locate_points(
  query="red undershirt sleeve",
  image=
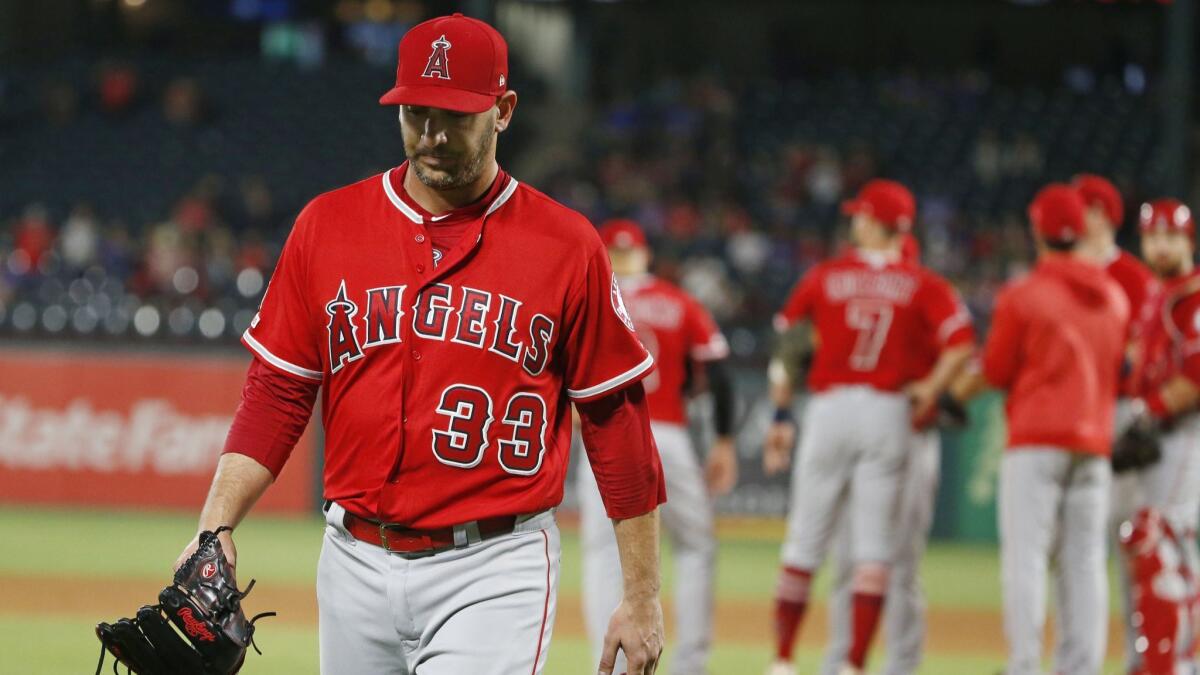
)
(620, 447)
(272, 415)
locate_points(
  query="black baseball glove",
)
(951, 413)
(197, 627)
(1138, 447)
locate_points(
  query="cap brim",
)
(851, 207)
(444, 98)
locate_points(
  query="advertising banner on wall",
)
(111, 428)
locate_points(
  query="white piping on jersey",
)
(396, 201)
(615, 382)
(503, 197)
(416, 217)
(958, 320)
(278, 362)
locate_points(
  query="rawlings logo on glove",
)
(197, 627)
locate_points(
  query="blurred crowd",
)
(737, 197)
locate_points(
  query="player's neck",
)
(438, 202)
(878, 255)
(1102, 246)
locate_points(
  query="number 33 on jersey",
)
(446, 385)
(873, 318)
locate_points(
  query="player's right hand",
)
(226, 539)
(777, 449)
(636, 628)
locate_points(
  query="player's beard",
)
(1166, 267)
(469, 173)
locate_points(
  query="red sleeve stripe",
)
(279, 363)
(614, 383)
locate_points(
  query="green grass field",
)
(53, 634)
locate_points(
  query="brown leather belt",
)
(399, 539)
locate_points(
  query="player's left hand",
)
(923, 397)
(721, 469)
(636, 628)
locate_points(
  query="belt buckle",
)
(426, 544)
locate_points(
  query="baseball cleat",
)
(848, 669)
(781, 668)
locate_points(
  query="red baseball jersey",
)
(676, 329)
(873, 316)
(1170, 336)
(1056, 343)
(1135, 279)
(446, 377)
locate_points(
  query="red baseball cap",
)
(887, 200)
(1099, 190)
(451, 62)
(1166, 214)
(1057, 213)
(622, 233)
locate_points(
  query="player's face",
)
(448, 149)
(1096, 220)
(1165, 252)
(866, 232)
(628, 262)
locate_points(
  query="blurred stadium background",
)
(153, 154)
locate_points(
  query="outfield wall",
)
(118, 428)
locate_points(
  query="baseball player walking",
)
(1163, 564)
(871, 313)
(686, 345)
(447, 364)
(904, 613)
(1056, 346)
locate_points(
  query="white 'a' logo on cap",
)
(438, 65)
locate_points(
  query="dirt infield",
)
(961, 631)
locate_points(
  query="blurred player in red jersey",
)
(871, 313)
(1055, 347)
(1105, 211)
(904, 613)
(1166, 379)
(687, 346)
(1104, 214)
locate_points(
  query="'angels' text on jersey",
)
(470, 317)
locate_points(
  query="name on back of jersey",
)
(894, 286)
(470, 317)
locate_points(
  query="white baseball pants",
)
(485, 609)
(904, 611)
(687, 518)
(1053, 505)
(853, 452)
